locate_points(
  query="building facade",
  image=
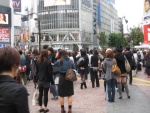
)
(109, 17)
(75, 23)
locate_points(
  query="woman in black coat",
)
(44, 78)
(13, 96)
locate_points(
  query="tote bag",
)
(127, 65)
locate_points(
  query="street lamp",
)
(122, 33)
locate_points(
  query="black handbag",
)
(70, 74)
(55, 69)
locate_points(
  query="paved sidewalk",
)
(92, 100)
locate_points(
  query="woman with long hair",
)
(122, 79)
(44, 78)
(65, 87)
(83, 67)
(95, 60)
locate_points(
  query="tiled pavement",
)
(92, 100)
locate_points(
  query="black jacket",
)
(120, 62)
(13, 96)
(94, 61)
(129, 56)
(84, 63)
(44, 72)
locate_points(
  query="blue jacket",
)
(23, 60)
(64, 67)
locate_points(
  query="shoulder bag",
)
(127, 65)
(115, 68)
(22, 69)
(70, 74)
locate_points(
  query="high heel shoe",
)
(63, 111)
(69, 111)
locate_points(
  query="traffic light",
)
(32, 38)
(25, 18)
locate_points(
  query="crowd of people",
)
(18, 67)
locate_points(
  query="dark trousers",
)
(148, 71)
(45, 91)
(94, 77)
(130, 75)
(111, 89)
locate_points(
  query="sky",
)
(133, 10)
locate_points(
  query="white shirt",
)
(135, 57)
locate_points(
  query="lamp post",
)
(122, 33)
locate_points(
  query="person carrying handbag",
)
(109, 75)
(65, 87)
(22, 69)
(122, 79)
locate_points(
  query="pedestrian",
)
(122, 79)
(13, 96)
(53, 60)
(34, 59)
(22, 72)
(44, 78)
(83, 67)
(147, 64)
(129, 56)
(109, 75)
(95, 62)
(65, 87)
(28, 62)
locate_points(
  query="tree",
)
(115, 40)
(102, 39)
(136, 35)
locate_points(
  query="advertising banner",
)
(146, 33)
(146, 9)
(16, 5)
(3, 18)
(56, 2)
(4, 34)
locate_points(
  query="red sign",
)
(4, 34)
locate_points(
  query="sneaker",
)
(54, 98)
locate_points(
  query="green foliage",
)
(115, 40)
(136, 35)
(102, 39)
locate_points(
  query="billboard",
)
(4, 18)
(56, 2)
(16, 5)
(4, 34)
(146, 9)
(146, 33)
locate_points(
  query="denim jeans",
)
(111, 89)
(53, 87)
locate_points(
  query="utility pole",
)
(122, 33)
(39, 28)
